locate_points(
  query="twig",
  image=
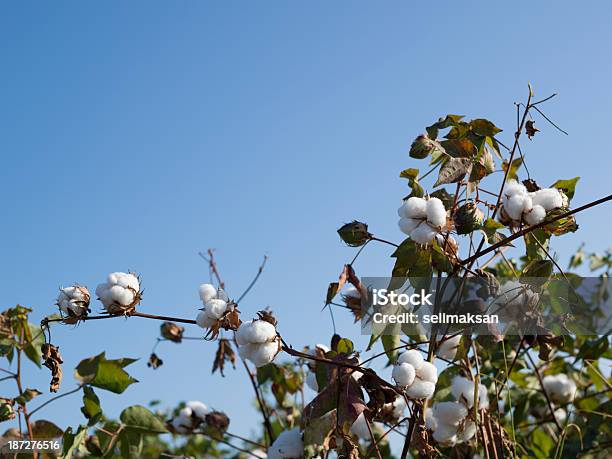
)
(548, 402)
(79, 387)
(259, 271)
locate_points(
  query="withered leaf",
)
(172, 332)
(154, 361)
(53, 361)
(224, 354)
(530, 129)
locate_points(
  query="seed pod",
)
(468, 218)
(423, 146)
(355, 234)
(216, 423)
(6, 409)
(172, 332)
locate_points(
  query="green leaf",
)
(332, 291)
(567, 186)
(138, 417)
(537, 272)
(535, 250)
(130, 444)
(562, 226)
(72, 441)
(91, 405)
(542, 443)
(514, 167)
(35, 339)
(27, 395)
(390, 343)
(483, 127)
(453, 171)
(443, 123)
(345, 346)
(106, 374)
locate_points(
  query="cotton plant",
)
(422, 218)
(258, 341)
(415, 375)
(73, 301)
(448, 348)
(120, 294)
(520, 205)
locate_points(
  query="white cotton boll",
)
(449, 413)
(288, 445)
(243, 332)
(222, 295)
(128, 280)
(423, 234)
(408, 225)
(215, 308)
(311, 381)
(436, 213)
(415, 207)
(428, 372)
(463, 390)
(469, 430)
(360, 427)
(207, 292)
(263, 354)
(420, 389)
(403, 374)
(257, 454)
(121, 295)
(255, 331)
(536, 215)
(560, 415)
(204, 321)
(113, 278)
(559, 388)
(549, 198)
(431, 423)
(514, 206)
(483, 398)
(246, 350)
(411, 356)
(399, 406)
(512, 187)
(448, 349)
(198, 409)
(445, 435)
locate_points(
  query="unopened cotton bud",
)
(420, 389)
(535, 215)
(448, 349)
(355, 234)
(468, 218)
(403, 374)
(288, 445)
(428, 372)
(450, 413)
(207, 292)
(408, 225)
(549, 198)
(411, 356)
(423, 234)
(415, 207)
(436, 213)
(215, 308)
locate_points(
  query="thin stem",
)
(78, 388)
(262, 405)
(259, 271)
(548, 402)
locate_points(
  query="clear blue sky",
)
(136, 133)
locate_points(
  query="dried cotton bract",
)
(288, 445)
(422, 219)
(74, 301)
(417, 376)
(120, 293)
(216, 303)
(258, 342)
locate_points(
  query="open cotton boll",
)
(263, 354)
(431, 423)
(198, 409)
(448, 349)
(415, 207)
(436, 213)
(215, 308)
(427, 372)
(120, 294)
(549, 198)
(399, 406)
(411, 356)
(468, 431)
(288, 445)
(445, 435)
(535, 215)
(74, 301)
(514, 206)
(246, 350)
(450, 413)
(420, 389)
(559, 387)
(408, 225)
(463, 390)
(204, 320)
(403, 374)
(512, 187)
(207, 292)
(360, 427)
(423, 234)
(255, 331)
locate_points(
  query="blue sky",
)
(135, 134)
